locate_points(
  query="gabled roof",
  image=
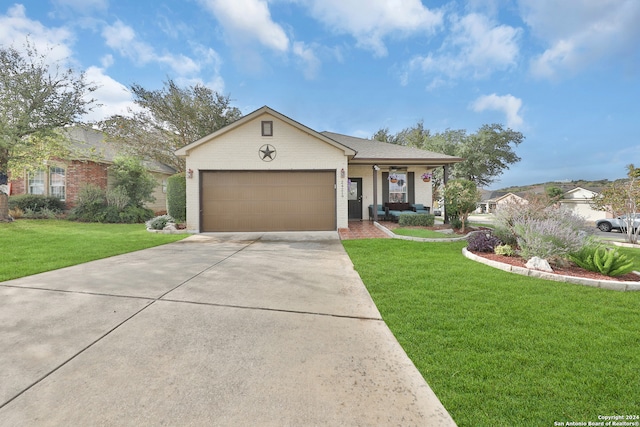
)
(506, 196)
(372, 151)
(184, 151)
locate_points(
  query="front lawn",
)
(501, 349)
(33, 246)
(423, 232)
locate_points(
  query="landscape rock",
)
(170, 227)
(538, 263)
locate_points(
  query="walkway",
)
(366, 230)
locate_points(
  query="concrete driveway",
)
(221, 329)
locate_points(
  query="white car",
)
(619, 223)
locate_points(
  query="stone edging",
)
(604, 284)
(151, 230)
(421, 239)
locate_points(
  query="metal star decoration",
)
(267, 153)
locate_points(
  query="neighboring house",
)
(88, 163)
(578, 200)
(492, 200)
(487, 203)
(267, 172)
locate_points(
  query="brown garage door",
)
(268, 201)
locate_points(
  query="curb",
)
(594, 283)
(421, 239)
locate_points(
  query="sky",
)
(565, 73)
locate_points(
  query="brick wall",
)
(79, 174)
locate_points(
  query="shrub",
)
(599, 259)
(482, 242)
(416, 220)
(551, 238)
(177, 197)
(117, 197)
(36, 203)
(135, 215)
(505, 250)
(41, 214)
(130, 174)
(16, 213)
(97, 205)
(456, 223)
(159, 222)
(90, 204)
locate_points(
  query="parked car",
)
(619, 223)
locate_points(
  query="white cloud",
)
(246, 21)
(111, 96)
(476, 47)
(308, 58)
(16, 29)
(83, 6)
(124, 40)
(370, 21)
(580, 33)
(508, 104)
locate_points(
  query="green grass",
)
(423, 232)
(500, 349)
(34, 246)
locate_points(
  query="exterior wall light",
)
(190, 173)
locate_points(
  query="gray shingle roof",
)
(91, 144)
(383, 152)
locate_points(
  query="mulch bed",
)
(568, 270)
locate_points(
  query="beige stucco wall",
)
(239, 149)
(423, 190)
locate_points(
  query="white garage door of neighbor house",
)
(268, 200)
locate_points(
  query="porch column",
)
(445, 179)
(375, 192)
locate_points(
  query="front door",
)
(355, 198)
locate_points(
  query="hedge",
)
(177, 197)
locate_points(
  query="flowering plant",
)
(426, 175)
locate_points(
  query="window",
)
(57, 183)
(49, 182)
(36, 182)
(267, 128)
(398, 187)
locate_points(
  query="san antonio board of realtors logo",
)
(267, 152)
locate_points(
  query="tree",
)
(460, 199)
(135, 180)
(486, 153)
(170, 118)
(622, 198)
(36, 101)
(554, 193)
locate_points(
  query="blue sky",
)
(565, 73)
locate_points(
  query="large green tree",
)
(169, 118)
(36, 101)
(487, 153)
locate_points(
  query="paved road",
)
(229, 330)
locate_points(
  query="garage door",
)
(268, 201)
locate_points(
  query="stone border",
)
(151, 230)
(603, 284)
(421, 239)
